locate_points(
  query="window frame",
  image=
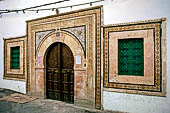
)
(14, 74)
(158, 87)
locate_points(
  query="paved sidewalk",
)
(42, 106)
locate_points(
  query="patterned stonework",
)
(80, 33)
(149, 84)
(41, 35)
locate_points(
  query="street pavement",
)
(42, 106)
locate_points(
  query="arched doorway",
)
(60, 73)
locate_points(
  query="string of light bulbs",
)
(9, 11)
(33, 9)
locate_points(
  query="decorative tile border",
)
(148, 44)
(158, 88)
(12, 74)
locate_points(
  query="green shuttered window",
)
(131, 57)
(15, 57)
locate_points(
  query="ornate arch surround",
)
(86, 48)
(65, 38)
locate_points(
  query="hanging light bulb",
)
(37, 11)
(71, 7)
(57, 11)
(0, 15)
(90, 4)
(23, 11)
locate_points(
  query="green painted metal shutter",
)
(131, 57)
(15, 57)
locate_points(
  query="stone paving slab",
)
(6, 92)
(19, 98)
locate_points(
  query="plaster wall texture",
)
(115, 11)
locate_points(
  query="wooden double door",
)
(60, 73)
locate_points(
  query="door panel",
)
(68, 85)
(60, 73)
(52, 60)
(67, 54)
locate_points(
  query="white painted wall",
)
(115, 11)
(129, 11)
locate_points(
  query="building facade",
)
(75, 58)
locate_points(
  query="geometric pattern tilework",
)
(130, 57)
(80, 33)
(158, 87)
(40, 36)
